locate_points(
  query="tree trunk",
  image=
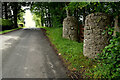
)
(46, 19)
(40, 20)
(67, 10)
(116, 27)
(49, 19)
(42, 16)
(1, 5)
(15, 11)
(6, 12)
(84, 15)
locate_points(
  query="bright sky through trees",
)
(29, 22)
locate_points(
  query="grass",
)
(71, 51)
(6, 31)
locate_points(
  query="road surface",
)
(28, 54)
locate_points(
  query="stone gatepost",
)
(94, 40)
(70, 28)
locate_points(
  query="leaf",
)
(109, 33)
(118, 69)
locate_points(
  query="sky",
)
(29, 22)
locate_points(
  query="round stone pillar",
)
(70, 28)
(94, 40)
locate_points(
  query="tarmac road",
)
(28, 54)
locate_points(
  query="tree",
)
(6, 15)
(12, 7)
(52, 13)
(111, 8)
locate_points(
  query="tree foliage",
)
(51, 13)
(12, 11)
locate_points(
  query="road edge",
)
(11, 31)
(69, 73)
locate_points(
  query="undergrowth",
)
(107, 65)
(109, 60)
(71, 51)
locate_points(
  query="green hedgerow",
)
(6, 22)
(109, 60)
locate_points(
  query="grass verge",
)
(6, 31)
(71, 52)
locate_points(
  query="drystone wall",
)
(70, 28)
(94, 39)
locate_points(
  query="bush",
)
(109, 60)
(6, 24)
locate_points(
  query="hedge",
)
(6, 24)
